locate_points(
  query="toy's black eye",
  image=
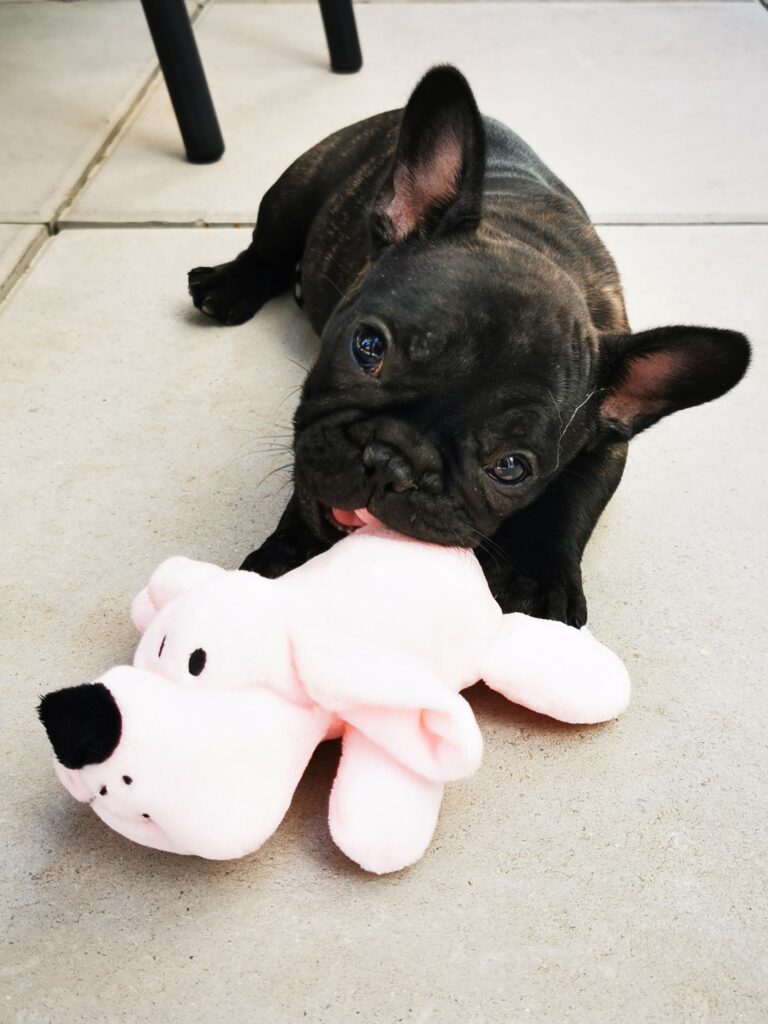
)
(511, 469)
(162, 645)
(197, 662)
(369, 347)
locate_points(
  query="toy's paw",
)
(381, 815)
(557, 594)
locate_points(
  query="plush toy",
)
(198, 747)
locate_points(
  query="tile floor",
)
(607, 875)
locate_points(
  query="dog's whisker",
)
(578, 476)
(488, 543)
(271, 450)
(266, 440)
(301, 366)
(287, 483)
(291, 394)
(564, 430)
(277, 469)
(334, 285)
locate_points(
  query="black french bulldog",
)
(477, 381)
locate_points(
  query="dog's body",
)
(477, 382)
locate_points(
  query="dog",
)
(477, 382)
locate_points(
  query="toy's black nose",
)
(83, 724)
(388, 467)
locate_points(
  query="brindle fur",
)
(516, 307)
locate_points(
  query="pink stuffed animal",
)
(198, 747)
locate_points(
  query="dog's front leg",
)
(533, 563)
(292, 544)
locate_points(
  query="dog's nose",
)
(388, 467)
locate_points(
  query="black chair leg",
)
(179, 58)
(341, 33)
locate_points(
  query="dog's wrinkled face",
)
(448, 393)
(463, 371)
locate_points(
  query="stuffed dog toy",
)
(198, 747)
(477, 381)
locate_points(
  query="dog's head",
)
(464, 371)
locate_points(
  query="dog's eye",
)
(511, 469)
(368, 349)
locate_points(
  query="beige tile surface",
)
(648, 110)
(584, 875)
(69, 73)
(357, 2)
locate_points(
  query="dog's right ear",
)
(654, 373)
(435, 182)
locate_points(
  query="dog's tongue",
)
(353, 519)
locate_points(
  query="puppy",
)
(477, 381)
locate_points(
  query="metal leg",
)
(341, 33)
(179, 58)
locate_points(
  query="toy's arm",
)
(556, 670)
(381, 814)
(393, 699)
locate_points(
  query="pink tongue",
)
(354, 518)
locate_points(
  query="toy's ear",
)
(394, 700)
(172, 577)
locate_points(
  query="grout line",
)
(750, 222)
(111, 141)
(134, 225)
(85, 225)
(104, 151)
(25, 262)
(375, 3)
(54, 226)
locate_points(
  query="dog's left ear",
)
(435, 182)
(648, 375)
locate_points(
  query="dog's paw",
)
(271, 561)
(281, 552)
(229, 293)
(559, 595)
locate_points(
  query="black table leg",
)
(179, 58)
(341, 33)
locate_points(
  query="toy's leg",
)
(556, 670)
(381, 815)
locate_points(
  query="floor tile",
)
(17, 242)
(618, 869)
(650, 111)
(357, 2)
(69, 74)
